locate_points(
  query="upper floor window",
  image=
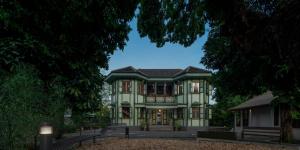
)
(195, 87)
(160, 88)
(126, 86)
(141, 87)
(179, 88)
(113, 88)
(169, 89)
(207, 88)
(150, 88)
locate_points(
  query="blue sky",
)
(141, 53)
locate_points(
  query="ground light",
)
(46, 132)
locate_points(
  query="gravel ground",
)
(170, 144)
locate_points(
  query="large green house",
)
(160, 96)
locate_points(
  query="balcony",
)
(160, 99)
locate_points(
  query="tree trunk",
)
(286, 123)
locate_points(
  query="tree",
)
(253, 45)
(72, 39)
(24, 106)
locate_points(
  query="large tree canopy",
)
(253, 44)
(68, 38)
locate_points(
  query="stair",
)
(161, 128)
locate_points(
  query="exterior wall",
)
(136, 101)
(296, 133)
(261, 117)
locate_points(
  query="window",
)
(276, 116)
(180, 113)
(126, 112)
(142, 113)
(195, 113)
(195, 87)
(207, 88)
(179, 88)
(160, 87)
(169, 88)
(150, 88)
(141, 87)
(126, 86)
(113, 88)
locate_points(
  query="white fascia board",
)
(193, 75)
(125, 74)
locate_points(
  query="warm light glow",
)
(46, 130)
(159, 110)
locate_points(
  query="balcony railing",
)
(160, 99)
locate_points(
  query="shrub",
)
(24, 106)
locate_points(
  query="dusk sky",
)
(141, 53)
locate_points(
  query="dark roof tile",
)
(260, 100)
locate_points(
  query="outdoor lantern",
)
(46, 129)
(46, 132)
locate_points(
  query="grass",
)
(170, 144)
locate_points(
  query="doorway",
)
(159, 117)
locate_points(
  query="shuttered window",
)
(195, 113)
(141, 88)
(195, 87)
(126, 86)
(125, 112)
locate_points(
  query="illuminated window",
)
(195, 87)
(179, 88)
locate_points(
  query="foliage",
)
(171, 21)
(68, 39)
(253, 45)
(143, 124)
(24, 106)
(178, 124)
(220, 114)
(104, 116)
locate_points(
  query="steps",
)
(161, 128)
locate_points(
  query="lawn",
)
(170, 144)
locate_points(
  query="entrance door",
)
(158, 118)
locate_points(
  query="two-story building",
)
(160, 96)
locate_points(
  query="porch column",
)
(250, 118)
(241, 111)
(234, 121)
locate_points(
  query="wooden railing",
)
(160, 99)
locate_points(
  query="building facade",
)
(258, 112)
(160, 96)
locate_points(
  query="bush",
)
(24, 106)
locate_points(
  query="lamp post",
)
(46, 132)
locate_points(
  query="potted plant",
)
(142, 125)
(177, 125)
